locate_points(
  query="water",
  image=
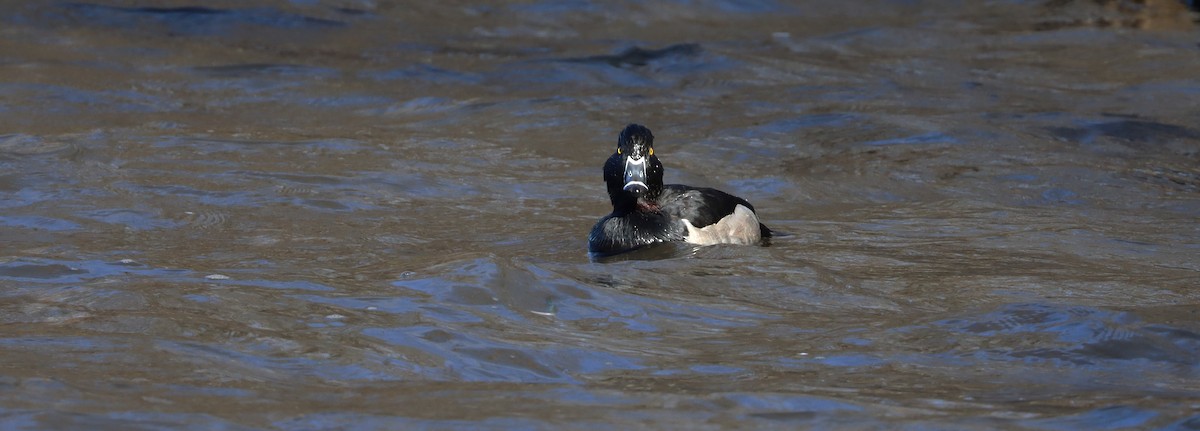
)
(358, 215)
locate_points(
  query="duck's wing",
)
(700, 206)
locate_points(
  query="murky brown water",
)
(350, 215)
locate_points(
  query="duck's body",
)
(645, 211)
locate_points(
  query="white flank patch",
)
(741, 227)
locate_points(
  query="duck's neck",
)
(624, 203)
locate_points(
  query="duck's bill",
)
(635, 176)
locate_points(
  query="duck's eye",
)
(618, 150)
(651, 152)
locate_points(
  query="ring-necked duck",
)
(645, 211)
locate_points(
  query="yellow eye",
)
(651, 151)
(618, 150)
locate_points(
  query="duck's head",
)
(633, 172)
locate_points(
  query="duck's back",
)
(711, 216)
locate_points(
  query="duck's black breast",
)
(619, 232)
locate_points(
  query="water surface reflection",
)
(315, 215)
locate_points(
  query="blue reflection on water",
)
(38, 222)
(1110, 418)
(193, 20)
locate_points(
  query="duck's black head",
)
(633, 173)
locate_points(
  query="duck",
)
(646, 211)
